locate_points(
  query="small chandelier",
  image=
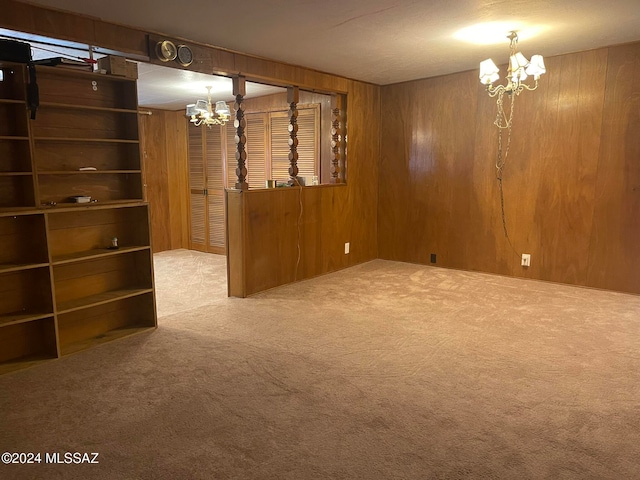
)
(204, 113)
(519, 69)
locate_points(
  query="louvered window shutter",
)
(308, 143)
(256, 150)
(279, 146)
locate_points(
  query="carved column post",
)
(239, 91)
(337, 105)
(293, 97)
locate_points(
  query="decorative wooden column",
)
(293, 97)
(239, 91)
(337, 105)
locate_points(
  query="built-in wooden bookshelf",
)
(72, 275)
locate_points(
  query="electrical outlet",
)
(526, 260)
(346, 248)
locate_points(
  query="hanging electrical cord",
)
(502, 157)
(295, 275)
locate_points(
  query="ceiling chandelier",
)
(518, 70)
(204, 113)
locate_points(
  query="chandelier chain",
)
(503, 154)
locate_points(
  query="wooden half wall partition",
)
(265, 227)
(571, 181)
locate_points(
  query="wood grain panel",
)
(78, 280)
(110, 92)
(49, 156)
(236, 248)
(554, 184)
(284, 74)
(22, 240)
(13, 120)
(156, 177)
(87, 124)
(83, 325)
(427, 150)
(615, 248)
(103, 187)
(68, 26)
(49, 22)
(17, 292)
(15, 156)
(120, 38)
(35, 340)
(177, 171)
(16, 192)
(74, 232)
(569, 191)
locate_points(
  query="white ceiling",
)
(380, 41)
(172, 89)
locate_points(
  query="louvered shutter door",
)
(215, 176)
(256, 150)
(215, 185)
(197, 219)
(216, 219)
(196, 159)
(196, 182)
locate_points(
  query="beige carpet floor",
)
(382, 371)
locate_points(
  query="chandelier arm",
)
(493, 91)
(528, 87)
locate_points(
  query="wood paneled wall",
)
(331, 215)
(571, 183)
(164, 154)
